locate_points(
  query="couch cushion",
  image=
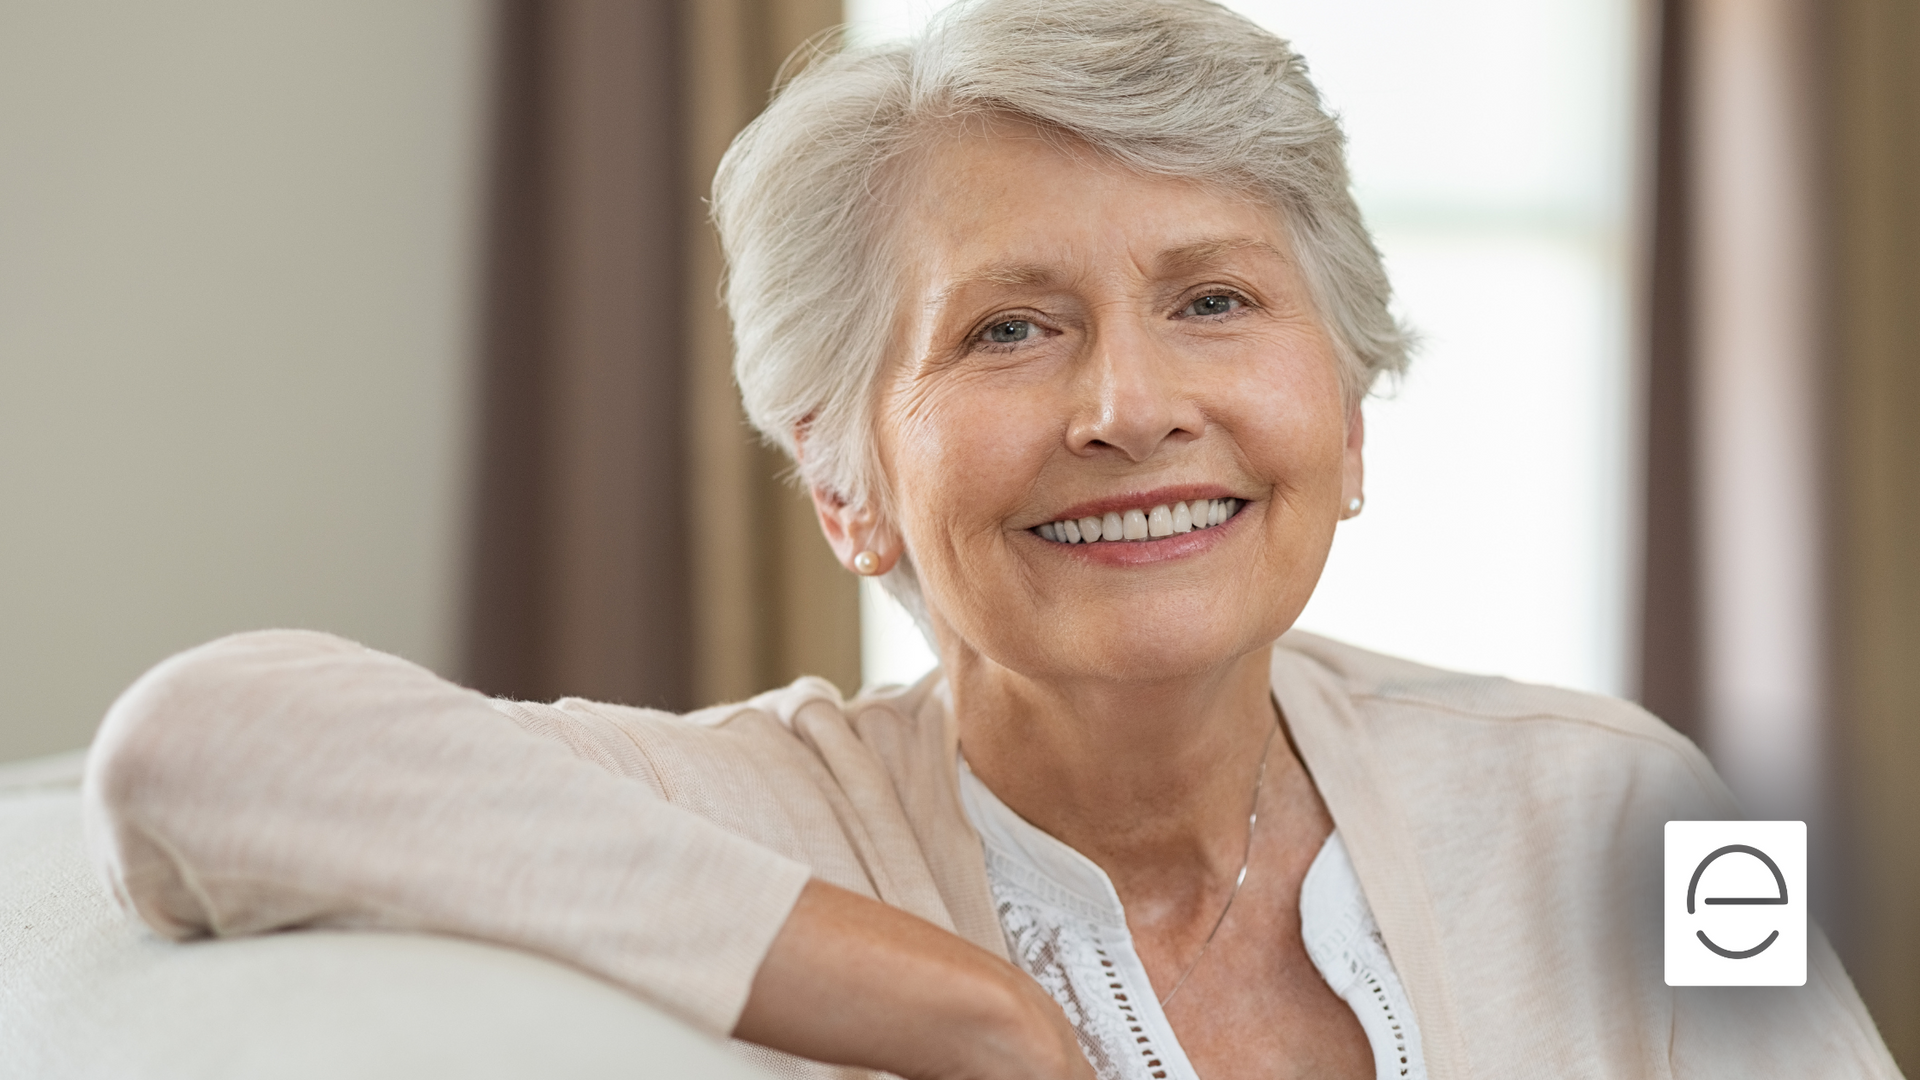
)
(85, 992)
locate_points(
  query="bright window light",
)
(1491, 145)
(892, 649)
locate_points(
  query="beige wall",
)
(235, 293)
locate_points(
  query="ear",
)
(851, 530)
(1353, 473)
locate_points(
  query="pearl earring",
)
(1353, 506)
(866, 564)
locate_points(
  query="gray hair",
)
(1181, 88)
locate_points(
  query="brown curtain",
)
(772, 603)
(631, 539)
(1670, 602)
(1863, 135)
(1872, 105)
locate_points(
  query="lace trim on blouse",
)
(1065, 926)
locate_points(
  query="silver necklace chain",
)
(1253, 818)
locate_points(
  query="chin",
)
(1144, 656)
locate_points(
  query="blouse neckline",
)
(1066, 926)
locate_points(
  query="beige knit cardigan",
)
(1508, 838)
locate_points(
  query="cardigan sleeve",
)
(289, 779)
(1820, 1029)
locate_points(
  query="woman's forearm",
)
(853, 981)
(290, 779)
(287, 779)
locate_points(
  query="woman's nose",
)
(1129, 397)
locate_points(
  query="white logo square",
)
(1736, 903)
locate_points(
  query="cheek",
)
(1288, 419)
(965, 453)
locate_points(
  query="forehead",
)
(1003, 200)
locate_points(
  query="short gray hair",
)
(1181, 88)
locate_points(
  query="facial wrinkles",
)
(923, 430)
(935, 385)
(975, 444)
(957, 538)
(1122, 317)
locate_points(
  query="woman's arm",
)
(283, 779)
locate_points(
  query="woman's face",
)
(1078, 340)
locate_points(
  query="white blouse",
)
(1065, 927)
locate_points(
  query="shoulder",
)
(802, 709)
(1454, 725)
(805, 733)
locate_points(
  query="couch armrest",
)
(86, 992)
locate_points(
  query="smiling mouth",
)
(1166, 519)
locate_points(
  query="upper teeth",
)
(1163, 520)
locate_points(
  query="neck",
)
(1150, 780)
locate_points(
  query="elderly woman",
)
(1066, 314)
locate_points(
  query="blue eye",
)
(1011, 332)
(1213, 304)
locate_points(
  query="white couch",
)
(85, 992)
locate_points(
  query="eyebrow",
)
(1008, 274)
(1204, 251)
(1199, 252)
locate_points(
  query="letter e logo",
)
(1736, 903)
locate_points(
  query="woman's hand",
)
(853, 981)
